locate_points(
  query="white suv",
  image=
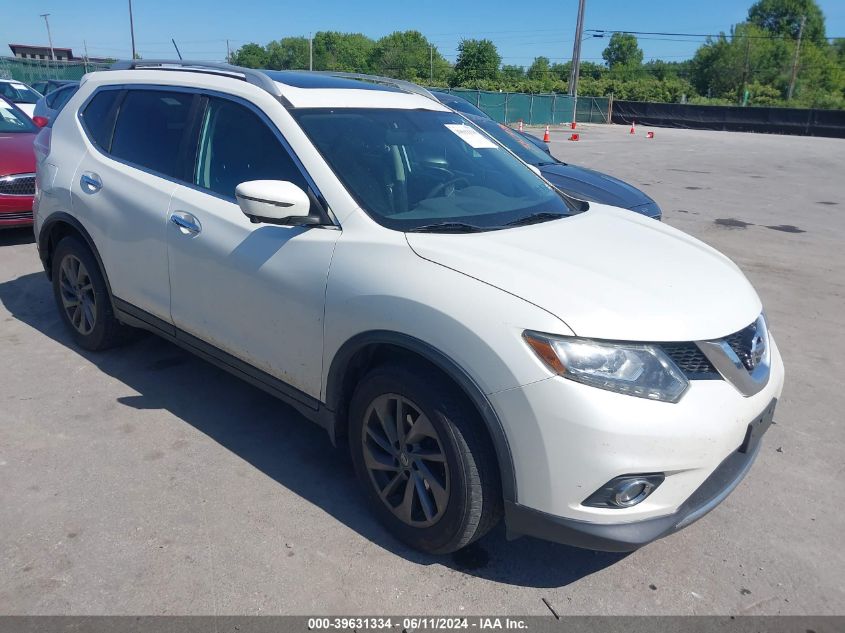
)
(484, 344)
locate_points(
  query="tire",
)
(78, 283)
(453, 502)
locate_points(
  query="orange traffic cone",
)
(633, 127)
(574, 136)
(546, 137)
(649, 134)
(573, 125)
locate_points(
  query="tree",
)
(540, 69)
(623, 50)
(346, 52)
(288, 53)
(783, 17)
(408, 55)
(250, 55)
(478, 60)
(513, 73)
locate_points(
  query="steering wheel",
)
(447, 188)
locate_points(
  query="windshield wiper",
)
(447, 227)
(536, 218)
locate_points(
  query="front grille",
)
(690, 360)
(741, 343)
(17, 215)
(18, 185)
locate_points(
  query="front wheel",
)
(420, 453)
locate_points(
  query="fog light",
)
(625, 491)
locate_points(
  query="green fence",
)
(536, 109)
(29, 70)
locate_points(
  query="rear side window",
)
(150, 129)
(236, 146)
(98, 118)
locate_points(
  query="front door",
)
(255, 291)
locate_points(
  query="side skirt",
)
(304, 404)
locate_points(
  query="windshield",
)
(410, 169)
(516, 143)
(18, 93)
(13, 120)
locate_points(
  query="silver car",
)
(51, 104)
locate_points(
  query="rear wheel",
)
(426, 467)
(82, 297)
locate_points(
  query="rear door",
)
(256, 291)
(122, 188)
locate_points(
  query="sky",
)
(201, 29)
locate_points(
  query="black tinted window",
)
(150, 128)
(236, 146)
(98, 117)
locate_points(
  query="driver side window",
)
(235, 146)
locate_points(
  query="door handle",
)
(186, 222)
(90, 183)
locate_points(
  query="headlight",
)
(640, 370)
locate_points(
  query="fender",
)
(343, 357)
(44, 235)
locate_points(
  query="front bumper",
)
(627, 537)
(15, 211)
(567, 440)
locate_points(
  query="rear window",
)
(150, 127)
(98, 118)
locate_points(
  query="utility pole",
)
(576, 57)
(132, 29)
(430, 63)
(310, 52)
(795, 59)
(743, 98)
(49, 36)
(228, 53)
(85, 59)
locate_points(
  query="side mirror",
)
(274, 202)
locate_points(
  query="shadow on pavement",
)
(285, 446)
(13, 237)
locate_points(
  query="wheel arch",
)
(58, 226)
(368, 349)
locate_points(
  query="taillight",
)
(40, 121)
(41, 145)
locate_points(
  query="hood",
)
(593, 186)
(607, 274)
(16, 153)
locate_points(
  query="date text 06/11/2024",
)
(416, 623)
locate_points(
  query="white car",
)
(486, 346)
(20, 94)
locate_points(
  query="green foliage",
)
(756, 56)
(783, 17)
(623, 51)
(288, 53)
(478, 61)
(409, 55)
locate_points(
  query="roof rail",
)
(406, 86)
(250, 75)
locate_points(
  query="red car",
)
(17, 166)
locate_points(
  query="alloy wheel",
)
(404, 457)
(77, 292)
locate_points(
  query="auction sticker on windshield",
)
(470, 136)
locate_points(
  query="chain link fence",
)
(536, 109)
(29, 70)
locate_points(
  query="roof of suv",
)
(295, 89)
